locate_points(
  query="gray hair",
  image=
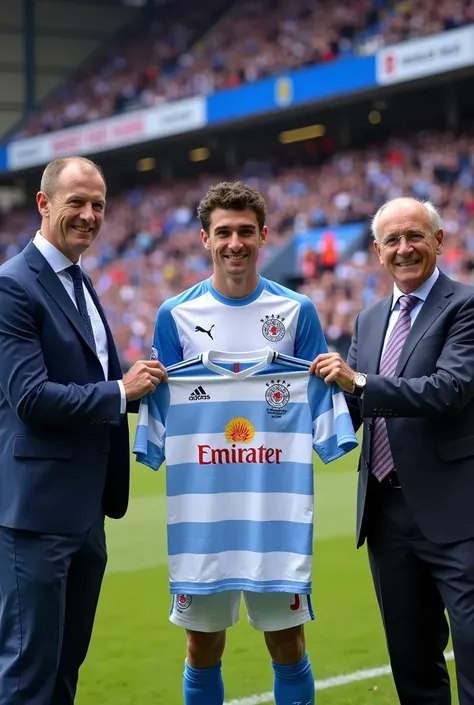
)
(433, 214)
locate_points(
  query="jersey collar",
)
(262, 358)
(236, 302)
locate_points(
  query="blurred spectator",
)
(328, 252)
(173, 56)
(150, 247)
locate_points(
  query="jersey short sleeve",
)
(333, 432)
(166, 344)
(149, 444)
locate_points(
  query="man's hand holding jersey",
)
(142, 378)
(331, 368)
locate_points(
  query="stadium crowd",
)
(149, 248)
(216, 47)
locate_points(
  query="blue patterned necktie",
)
(382, 460)
(76, 273)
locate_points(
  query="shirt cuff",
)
(123, 398)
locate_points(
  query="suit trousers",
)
(416, 582)
(49, 588)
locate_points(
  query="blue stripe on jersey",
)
(345, 429)
(291, 586)
(147, 452)
(140, 444)
(152, 458)
(277, 367)
(234, 535)
(212, 417)
(178, 366)
(318, 390)
(192, 478)
(180, 371)
(339, 444)
(292, 361)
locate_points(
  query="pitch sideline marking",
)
(326, 683)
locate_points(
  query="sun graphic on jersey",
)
(239, 430)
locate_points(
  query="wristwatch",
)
(360, 380)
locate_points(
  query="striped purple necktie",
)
(382, 460)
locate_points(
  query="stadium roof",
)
(43, 41)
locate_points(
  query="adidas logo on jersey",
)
(199, 394)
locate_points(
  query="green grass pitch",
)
(137, 655)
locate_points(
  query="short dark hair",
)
(232, 195)
(53, 171)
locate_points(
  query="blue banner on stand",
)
(305, 85)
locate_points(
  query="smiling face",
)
(73, 213)
(234, 240)
(406, 244)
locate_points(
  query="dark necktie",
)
(382, 460)
(77, 279)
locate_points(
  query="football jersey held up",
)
(237, 431)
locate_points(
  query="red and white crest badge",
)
(273, 328)
(183, 602)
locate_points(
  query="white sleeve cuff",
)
(123, 398)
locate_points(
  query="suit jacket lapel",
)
(436, 301)
(115, 368)
(50, 281)
(373, 338)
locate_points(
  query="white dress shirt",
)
(422, 293)
(59, 263)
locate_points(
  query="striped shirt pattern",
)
(238, 432)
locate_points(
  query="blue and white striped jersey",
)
(202, 319)
(237, 432)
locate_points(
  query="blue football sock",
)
(294, 685)
(203, 686)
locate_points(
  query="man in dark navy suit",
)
(409, 379)
(64, 449)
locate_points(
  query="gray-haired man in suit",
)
(409, 379)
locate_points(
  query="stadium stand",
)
(150, 249)
(124, 76)
(216, 47)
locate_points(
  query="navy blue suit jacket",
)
(64, 448)
(428, 407)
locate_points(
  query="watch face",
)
(360, 380)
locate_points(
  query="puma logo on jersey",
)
(198, 329)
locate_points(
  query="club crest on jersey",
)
(183, 602)
(277, 395)
(273, 328)
(153, 353)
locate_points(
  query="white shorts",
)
(267, 611)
